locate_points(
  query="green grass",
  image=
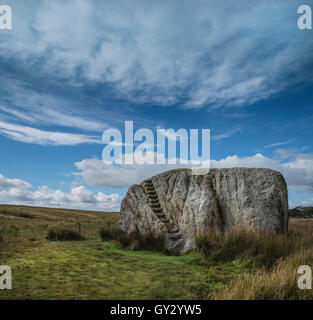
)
(102, 269)
(93, 268)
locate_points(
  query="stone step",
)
(163, 218)
(155, 206)
(171, 226)
(152, 193)
(149, 185)
(157, 211)
(172, 231)
(176, 246)
(174, 236)
(154, 201)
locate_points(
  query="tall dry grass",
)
(261, 249)
(280, 281)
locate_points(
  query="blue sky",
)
(71, 69)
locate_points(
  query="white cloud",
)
(304, 203)
(42, 137)
(16, 191)
(206, 52)
(13, 183)
(225, 135)
(298, 172)
(287, 153)
(95, 172)
(279, 144)
(29, 106)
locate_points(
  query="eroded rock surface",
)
(179, 205)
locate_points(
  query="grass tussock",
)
(262, 249)
(280, 283)
(275, 260)
(108, 233)
(22, 214)
(137, 241)
(133, 240)
(64, 235)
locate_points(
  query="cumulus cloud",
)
(298, 172)
(203, 52)
(96, 173)
(6, 183)
(304, 203)
(16, 191)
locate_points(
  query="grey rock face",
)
(180, 205)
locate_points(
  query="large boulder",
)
(179, 204)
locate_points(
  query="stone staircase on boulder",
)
(175, 241)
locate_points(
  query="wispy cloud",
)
(209, 57)
(46, 138)
(225, 135)
(42, 109)
(279, 144)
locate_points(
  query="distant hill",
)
(301, 212)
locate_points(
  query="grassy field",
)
(96, 269)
